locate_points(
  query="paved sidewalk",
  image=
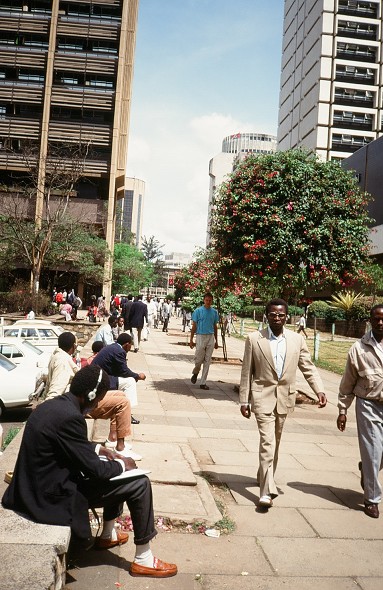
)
(316, 536)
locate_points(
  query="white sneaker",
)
(265, 501)
(126, 452)
(111, 444)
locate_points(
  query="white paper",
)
(131, 473)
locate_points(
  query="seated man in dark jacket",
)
(59, 475)
(112, 359)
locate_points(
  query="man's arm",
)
(310, 373)
(62, 374)
(247, 372)
(346, 388)
(192, 332)
(216, 335)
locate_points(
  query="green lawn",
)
(332, 355)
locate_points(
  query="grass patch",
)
(12, 432)
(332, 355)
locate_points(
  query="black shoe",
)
(371, 510)
(361, 475)
(135, 350)
(134, 420)
(193, 378)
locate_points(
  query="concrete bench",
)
(33, 556)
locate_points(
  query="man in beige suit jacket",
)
(271, 359)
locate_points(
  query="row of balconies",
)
(357, 30)
(355, 52)
(11, 159)
(355, 8)
(350, 96)
(67, 131)
(78, 97)
(355, 74)
(349, 143)
(353, 120)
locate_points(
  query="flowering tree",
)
(292, 218)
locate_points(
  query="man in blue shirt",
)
(204, 325)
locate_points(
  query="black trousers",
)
(111, 495)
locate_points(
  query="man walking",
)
(137, 315)
(271, 359)
(204, 325)
(363, 380)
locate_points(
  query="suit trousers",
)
(111, 495)
(136, 333)
(204, 346)
(270, 428)
(116, 406)
(369, 419)
(129, 386)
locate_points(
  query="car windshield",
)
(6, 363)
(32, 347)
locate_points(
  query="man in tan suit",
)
(268, 388)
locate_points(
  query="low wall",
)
(353, 329)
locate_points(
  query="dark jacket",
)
(112, 359)
(138, 312)
(54, 458)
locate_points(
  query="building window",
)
(70, 44)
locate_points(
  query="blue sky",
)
(203, 69)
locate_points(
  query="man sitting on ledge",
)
(59, 475)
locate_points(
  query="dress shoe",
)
(160, 569)
(361, 475)
(134, 420)
(135, 350)
(205, 387)
(111, 444)
(108, 543)
(265, 502)
(193, 378)
(371, 510)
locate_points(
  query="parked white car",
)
(41, 333)
(18, 386)
(23, 352)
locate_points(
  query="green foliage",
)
(18, 298)
(295, 310)
(288, 221)
(332, 314)
(151, 248)
(345, 302)
(12, 432)
(318, 309)
(131, 272)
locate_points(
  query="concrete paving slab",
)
(370, 583)
(212, 444)
(336, 557)
(276, 522)
(184, 504)
(149, 430)
(342, 451)
(347, 524)
(277, 583)
(303, 497)
(340, 464)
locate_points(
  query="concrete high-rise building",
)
(65, 78)
(130, 210)
(234, 148)
(331, 79)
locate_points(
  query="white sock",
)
(144, 555)
(108, 530)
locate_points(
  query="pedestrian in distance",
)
(59, 476)
(302, 325)
(204, 326)
(267, 388)
(363, 381)
(138, 315)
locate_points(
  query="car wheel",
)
(2, 408)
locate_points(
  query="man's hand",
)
(108, 453)
(322, 399)
(245, 411)
(341, 422)
(216, 345)
(128, 462)
(191, 344)
(141, 376)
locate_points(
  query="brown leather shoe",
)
(371, 510)
(160, 569)
(122, 538)
(205, 387)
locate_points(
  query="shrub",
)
(295, 310)
(318, 309)
(332, 314)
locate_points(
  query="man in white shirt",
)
(271, 359)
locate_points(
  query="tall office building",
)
(331, 80)
(130, 211)
(65, 77)
(235, 148)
